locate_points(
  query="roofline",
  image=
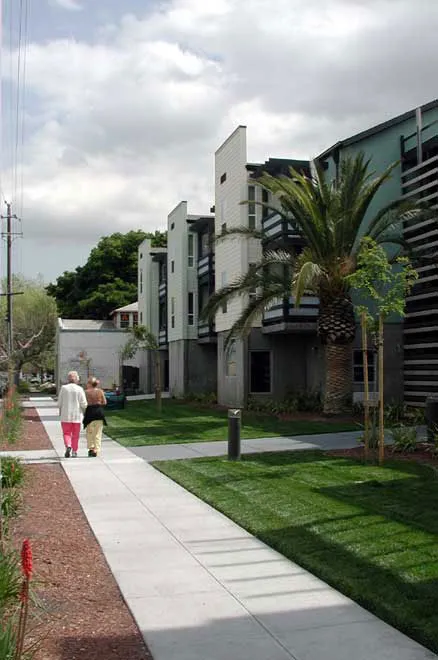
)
(229, 137)
(431, 105)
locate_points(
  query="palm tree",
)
(329, 218)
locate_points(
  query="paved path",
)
(202, 588)
(343, 440)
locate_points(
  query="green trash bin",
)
(115, 401)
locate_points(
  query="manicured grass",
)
(370, 532)
(139, 424)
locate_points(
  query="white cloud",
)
(127, 126)
(70, 5)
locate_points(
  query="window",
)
(224, 283)
(223, 226)
(190, 314)
(172, 266)
(230, 355)
(141, 280)
(141, 318)
(260, 366)
(135, 319)
(172, 226)
(358, 372)
(191, 247)
(253, 292)
(162, 272)
(162, 320)
(251, 208)
(141, 255)
(172, 312)
(265, 200)
(224, 177)
(205, 244)
(124, 320)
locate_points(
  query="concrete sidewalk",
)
(202, 588)
(325, 441)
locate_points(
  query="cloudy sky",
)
(127, 100)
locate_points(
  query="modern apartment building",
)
(152, 290)
(282, 352)
(411, 346)
(190, 279)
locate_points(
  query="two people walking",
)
(73, 403)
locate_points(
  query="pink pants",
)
(71, 432)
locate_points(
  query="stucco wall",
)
(101, 348)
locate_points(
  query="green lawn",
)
(139, 424)
(370, 532)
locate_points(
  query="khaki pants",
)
(94, 435)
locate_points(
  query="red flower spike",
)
(26, 559)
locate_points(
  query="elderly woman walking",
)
(94, 417)
(71, 404)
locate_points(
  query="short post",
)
(234, 420)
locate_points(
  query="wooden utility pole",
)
(9, 293)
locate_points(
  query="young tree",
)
(142, 338)
(381, 286)
(330, 219)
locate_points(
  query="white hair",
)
(73, 377)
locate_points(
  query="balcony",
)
(276, 229)
(162, 337)
(284, 317)
(206, 333)
(162, 289)
(206, 266)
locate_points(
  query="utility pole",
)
(9, 293)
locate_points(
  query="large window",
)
(191, 244)
(265, 200)
(252, 216)
(205, 244)
(172, 312)
(141, 280)
(253, 292)
(358, 371)
(190, 308)
(260, 366)
(162, 315)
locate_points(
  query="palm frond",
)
(306, 279)
(234, 232)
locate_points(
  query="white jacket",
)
(71, 403)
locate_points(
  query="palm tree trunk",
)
(338, 375)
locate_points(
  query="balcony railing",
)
(162, 337)
(285, 316)
(206, 265)
(162, 289)
(276, 228)
(206, 329)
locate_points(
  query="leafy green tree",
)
(330, 219)
(108, 279)
(34, 317)
(381, 287)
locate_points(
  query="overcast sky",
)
(127, 100)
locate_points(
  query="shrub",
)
(206, 398)
(11, 419)
(10, 502)
(10, 581)
(23, 387)
(12, 472)
(405, 439)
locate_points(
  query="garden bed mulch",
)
(84, 614)
(33, 435)
(422, 454)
